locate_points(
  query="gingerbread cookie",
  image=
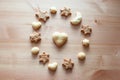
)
(44, 57)
(35, 37)
(86, 30)
(65, 12)
(42, 15)
(68, 64)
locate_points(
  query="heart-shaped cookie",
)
(52, 66)
(59, 38)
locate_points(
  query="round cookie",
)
(53, 10)
(85, 42)
(81, 55)
(35, 50)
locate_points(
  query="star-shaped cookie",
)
(68, 64)
(85, 29)
(42, 15)
(44, 57)
(65, 12)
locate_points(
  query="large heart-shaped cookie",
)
(59, 38)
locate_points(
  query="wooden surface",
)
(103, 56)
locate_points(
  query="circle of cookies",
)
(58, 38)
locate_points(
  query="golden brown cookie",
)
(59, 38)
(53, 10)
(85, 42)
(35, 37)
(44, 57)
(65, 12)
(76, 20)
(35, 50)
(52, 66)
(36, 25)
(42, 15)
(81, 56)
(86, 30)
(68, 64)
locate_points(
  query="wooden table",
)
(103, 56)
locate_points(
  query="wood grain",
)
(103, 55)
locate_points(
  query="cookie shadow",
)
(81, 62)
(68, 70)
(34, 56)
(52, 72)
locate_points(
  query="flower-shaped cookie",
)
(85, 29)
(35, 37)
(65, 12)
(68, 64)
(44, 57)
